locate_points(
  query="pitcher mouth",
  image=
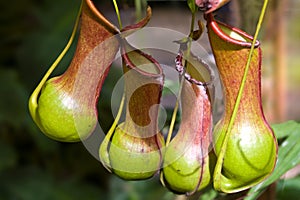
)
(230, 34)
(189, 77)
(153, 71)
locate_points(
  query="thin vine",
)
(118, 13)
(33, 98)
(193, 8)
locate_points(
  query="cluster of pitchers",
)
(199, 153)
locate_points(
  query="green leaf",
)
(288, 189)
(169, 87)
(288, 155)
(285, 129)
(209, 195)
(192, 5)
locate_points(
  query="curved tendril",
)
(240, 93)
(118, 13)
(32, 104)
(103, 151)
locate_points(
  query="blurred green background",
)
(32, 166)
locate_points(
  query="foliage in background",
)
(35, 167)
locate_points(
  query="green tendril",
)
(118, 13)
(173, 119)
(32, 104)
(103, 151)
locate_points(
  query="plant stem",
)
(181, 81)
(118, 13)
(174, 113)
(138, 9)
(192, 24)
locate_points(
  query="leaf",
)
(288, 189)
(288, 155)
(210, 194)
(284, 129)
